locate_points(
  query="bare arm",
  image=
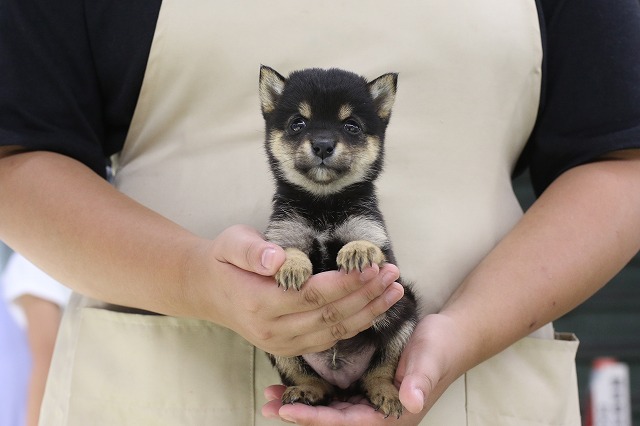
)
(571, 242)
(76, 226)
(87, 235)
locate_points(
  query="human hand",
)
(435, 356)
(356, 411)
(235, 288)
(430, 362)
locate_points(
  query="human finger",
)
(413, 392)
(327, 287)
(340, 414)
(428, 364)
(415, 375)
(302, 414)
(330, 312)
(365, 318)
(349, 327)
(247, 249)
(274, 392)
(293, 308)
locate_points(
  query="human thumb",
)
(417, 372)
(246, 248)
(431, 361)
(413, 391)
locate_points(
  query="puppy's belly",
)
(341, 370)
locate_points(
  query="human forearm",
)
(86, 234)
(579, 234)
(573, 240)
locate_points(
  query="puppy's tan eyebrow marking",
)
(345, 112)
(304, 109)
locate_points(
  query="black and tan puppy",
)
(324, 138)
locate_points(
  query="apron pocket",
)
(532, 383)
(133, 369)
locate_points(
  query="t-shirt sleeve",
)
(591, 96)
(49, 92)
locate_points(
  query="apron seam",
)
(466, 401)
(252, 382)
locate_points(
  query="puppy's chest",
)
(322, 237)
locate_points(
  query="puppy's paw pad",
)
(304, 394)
(359, 255)
(295, 271)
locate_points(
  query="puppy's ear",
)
(271, 86)
(383, 91)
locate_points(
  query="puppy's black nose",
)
(323, 147)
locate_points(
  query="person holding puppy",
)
(485, 87)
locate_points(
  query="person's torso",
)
(469, 82)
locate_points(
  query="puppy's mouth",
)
(320, 170)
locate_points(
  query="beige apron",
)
(467, 100)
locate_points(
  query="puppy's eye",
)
(352, 127)
(297, 125)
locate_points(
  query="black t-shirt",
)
(71, 72)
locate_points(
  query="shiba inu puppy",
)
(325, 141)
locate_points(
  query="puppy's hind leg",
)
(378, 387)
(303, 383)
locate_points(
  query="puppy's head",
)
(325, 128)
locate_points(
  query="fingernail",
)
(287, 418)
(267, 258)
(420, 395)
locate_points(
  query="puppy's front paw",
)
(295, 271)
(358, 255)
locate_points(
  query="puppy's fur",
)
(325, 140)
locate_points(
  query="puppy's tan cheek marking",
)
(371, 151)
(373, 143)
(345, 112)
(364, 157)
(305, 110)
(280, 150)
